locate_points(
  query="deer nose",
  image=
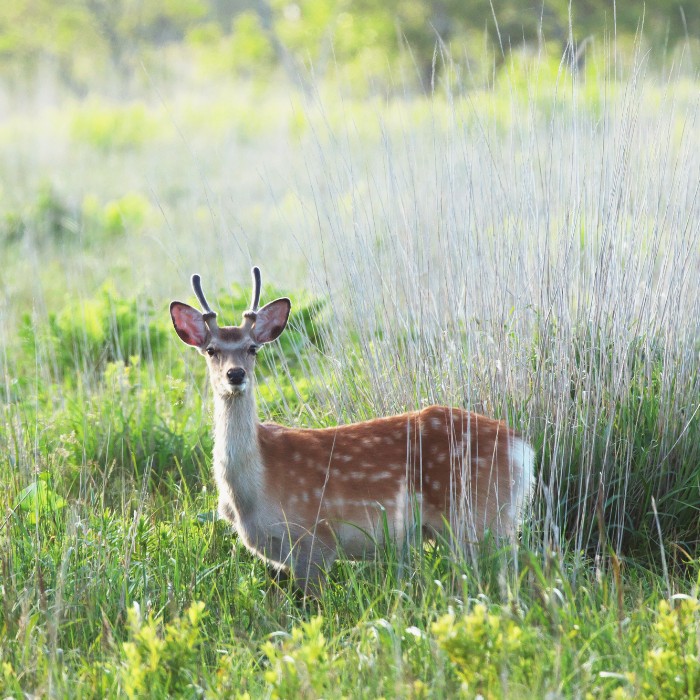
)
(236, 375)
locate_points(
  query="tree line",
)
(82, 35)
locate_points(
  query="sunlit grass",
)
(529, 251)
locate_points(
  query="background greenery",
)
(490, 206)
(112, 46)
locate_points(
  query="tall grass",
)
(541, 267)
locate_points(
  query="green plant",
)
(39, 500)
(489, 650)
(107, 128)
(87, 334)
(162, 661)
(127, 214)
(301, 664)
(672, 666)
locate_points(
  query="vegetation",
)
(102, 46)
(523, 242)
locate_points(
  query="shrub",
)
(87, 334)
(127, 214)
(114, 128)
(302, 664)
(53, 218)
(487, 649)
(162, 662)
(672, 667)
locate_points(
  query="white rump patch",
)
(522, 460)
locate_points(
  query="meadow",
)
(529, 250)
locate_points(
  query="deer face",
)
(230, 358)
(230, 350)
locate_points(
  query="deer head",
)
(230, 350)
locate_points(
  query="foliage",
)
(90, 333)
(672, 669)
(162, 664)
(51, 220)
(489, 649)
(129, 213)
(108, 127)
(39, 500)
(481, 247)
(365, 38)
(301, 665)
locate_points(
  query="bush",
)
(127, 214)
(162, 662)
(672, 667)
(489, 650)
(302, 664)
(87, 334)
(114, 128)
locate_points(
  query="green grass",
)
(529, 251)
(106, 603)
(117, 582)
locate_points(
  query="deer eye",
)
(252, 350)
(211, 351)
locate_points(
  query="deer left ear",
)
(271, 320)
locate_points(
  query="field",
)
(529, 250)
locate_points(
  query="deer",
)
(299, 498)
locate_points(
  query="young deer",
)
(299, 497)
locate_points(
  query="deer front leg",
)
(226, 511)
(310, 562)
(305, 555)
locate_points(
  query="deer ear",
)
(271, 320)
(189, 324)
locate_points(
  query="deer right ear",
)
(189, 324)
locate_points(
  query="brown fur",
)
(362, 464)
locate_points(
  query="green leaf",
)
(39, 498)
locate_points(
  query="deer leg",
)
(226, 511)
(305, 555)
(310, 561)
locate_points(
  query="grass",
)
(528, 251)
(102, 603)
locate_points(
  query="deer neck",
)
(238, 466)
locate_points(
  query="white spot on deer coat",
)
(380, 476)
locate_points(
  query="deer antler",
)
(252, 313)
(257, 282)
(209, 315)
